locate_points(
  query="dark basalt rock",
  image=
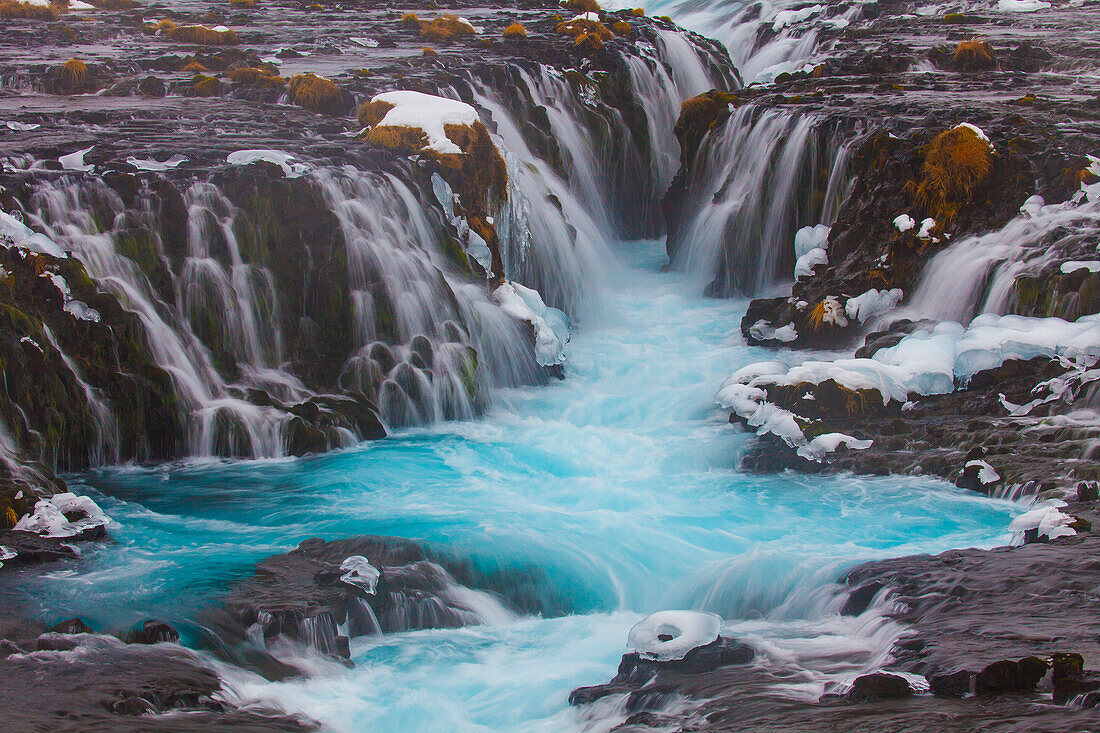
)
(649, 682)
(113, 686)
(152, 632)
(879, 686)
(1011, 676)
(300, 596)
(72, 626)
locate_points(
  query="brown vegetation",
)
(588, 44)
(956, 163)
(200, 34)
(73, 75)
(195, 68)
(445, 28)
(516, 30)
(581, 27)
(622, 28)
(371, 113)
(583, 6)
(315, 93)
(206, 86)
(410, 21)
(254, 77)
(973, 55)
(242, 4)
(114, 4)
(13, 9)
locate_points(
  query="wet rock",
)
(649, 682)
(109, 685)
(1068, 689)
(153, 632)
(879, 686)
(71, 626)
(859, 600)
(1011, 676)
(952, 684)
(302, 596)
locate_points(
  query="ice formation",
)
(1021, 6)
(987, 475)
(904, 223)
(1047, 518)
(278, 157)
(6, 553)
(550, 324)
(49, 520)
(150, 164)
(75, 161)
(20, 235)
(872, 303)
(669, 635)
(358, 572)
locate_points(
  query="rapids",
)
(617, 487)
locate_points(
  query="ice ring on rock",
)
(358, 572)
(669, 635)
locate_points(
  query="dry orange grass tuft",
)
(315, 93)
(254, 77)
(73, 74)
(638, 12)
(428, 51)
(242, 4)
(583, 6)
(391, 137)
(13, 9)
(588, 43)
(445, 28)
(195, 68)
(371, 113)
(409, 20)
(516, 30)
(582, 27)
(973, 55)
(622, 28)
(956, 163)
(200, 34)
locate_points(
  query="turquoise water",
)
(618, 483)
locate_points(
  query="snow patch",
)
(150, 164)
(785, 18)
(1047, 518)
(1021, 6)
(75, 161)
(14, 233)
(804, 266)
(904, 223)
(1090, 265)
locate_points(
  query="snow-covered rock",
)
(872, 303)
(669, 635)
(49, 516)
(550, 324)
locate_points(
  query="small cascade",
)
(91, 221)
(764, 39)
(106, 447)
(428, 342)
(978, 274)
(767, 175)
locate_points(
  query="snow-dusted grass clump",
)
(551, 325)
(427, 113)
(666, 636)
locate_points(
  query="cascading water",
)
(977, 274)
(767, 175)
(617, 484)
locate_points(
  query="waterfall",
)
(765, 38)
(764, 176)
(978, 274)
